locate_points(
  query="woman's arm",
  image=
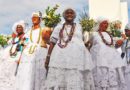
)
(49, 54)
(88, 45)
(53, 40)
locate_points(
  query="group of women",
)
(65, 63)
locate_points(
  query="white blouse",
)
(74, 55)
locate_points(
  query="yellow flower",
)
(49, 17)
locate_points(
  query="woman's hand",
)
(47, 62)
(17, 61)
(119, 43)
(89, 45)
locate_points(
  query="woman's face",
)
(69, 15)
(117, 26)
(35, 20)
(127, 32)
(19, 29)
(103, 25)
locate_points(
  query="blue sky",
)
(12, 11)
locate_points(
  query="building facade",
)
(111, 9)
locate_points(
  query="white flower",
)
(44, 15)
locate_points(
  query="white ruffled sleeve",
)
(55, 34)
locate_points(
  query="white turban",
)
(117, 21)
(67, 10)
(37, 14)
(127, 26)
(99, 20)
(21, 22)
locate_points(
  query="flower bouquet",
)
(51, 19)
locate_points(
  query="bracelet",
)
(48, 55)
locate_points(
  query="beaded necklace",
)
(69, 35)
(14, 54)
(33, 47)
(103, 39)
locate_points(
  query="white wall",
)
(111, 9)
(107, 8)
(124, 13)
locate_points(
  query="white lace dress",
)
(8, 67)
(108, 74)
(126, 50)
(70, 67)
(7, 74)
(31, 72)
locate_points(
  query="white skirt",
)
(31, 72)
(109, 79)
(7, 69)
(69, 79)
(127, 76)
(7, 75)
(108, 73)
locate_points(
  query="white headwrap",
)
(127, 26)
(21, 22)
(37, 14)
(67, 10)
(99, 20)
(117, 21)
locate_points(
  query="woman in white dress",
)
(31, 72)
(68, 61)
(126, 54)
(108, 74)
(10, 57)
(118, 35)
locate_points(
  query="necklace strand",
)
(70, 35)
(103, 39)
(32, 48)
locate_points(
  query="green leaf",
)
(52, 18)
